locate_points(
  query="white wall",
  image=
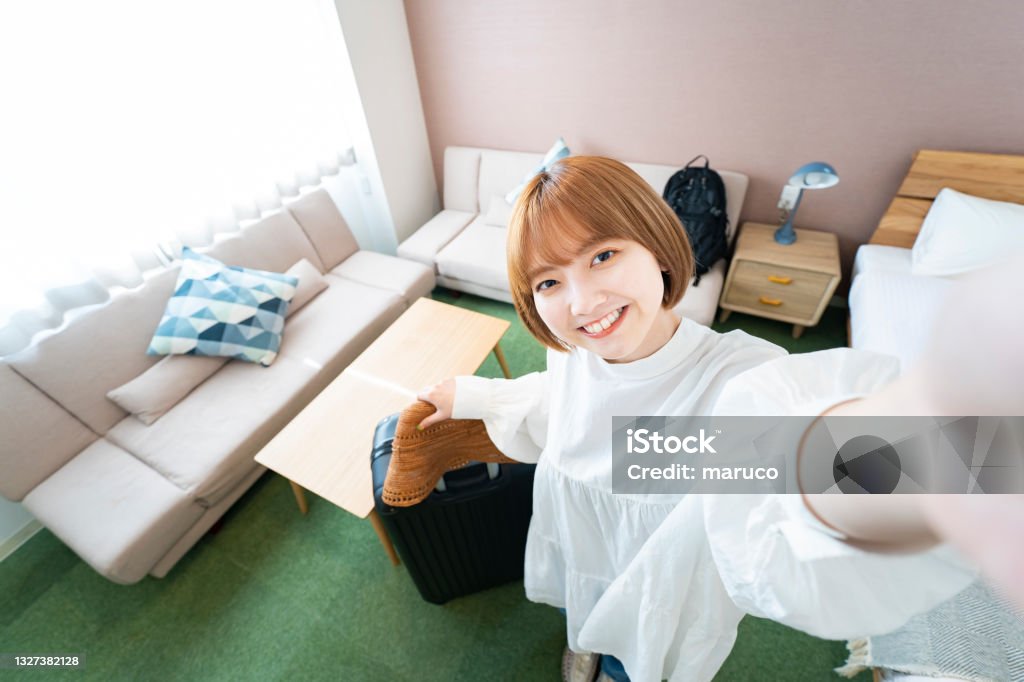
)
(16, 526)
(386, 121)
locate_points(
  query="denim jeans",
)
(611, 666)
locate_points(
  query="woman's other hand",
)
(973, 364)
(442, 397)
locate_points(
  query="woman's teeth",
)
(603, 323)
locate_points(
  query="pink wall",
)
(760, 87)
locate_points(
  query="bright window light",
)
(126, 124)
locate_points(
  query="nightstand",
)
(789, 283)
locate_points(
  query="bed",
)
(893, 310)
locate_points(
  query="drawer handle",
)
(778, 279)
(770, 301)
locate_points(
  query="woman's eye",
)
(603, 256)
(546, 284)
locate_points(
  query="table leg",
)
(385, 539)
(798, 330)
(300, 497)
(724, 315)
(501, 360)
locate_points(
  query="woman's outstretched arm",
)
(973, 366)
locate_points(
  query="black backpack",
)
(697, 195)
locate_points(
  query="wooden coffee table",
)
(326, 448)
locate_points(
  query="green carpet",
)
(274, 595)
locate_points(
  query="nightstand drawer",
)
(777, 290)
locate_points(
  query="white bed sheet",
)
(891, 310)
(872, 257)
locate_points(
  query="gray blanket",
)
(977, 635)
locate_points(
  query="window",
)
(132, 124)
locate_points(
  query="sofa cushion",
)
(408, 279)
(38, 435)
(325, 227)
(113, 511)
(700, 302)
(205, 444)
(425, 243)
(98, 350)
(273, 243)
(461, 177)
(499, 212)
(501, 172)
(224, 311)
(477, 255)
(332, 330)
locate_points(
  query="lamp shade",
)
(816, 175)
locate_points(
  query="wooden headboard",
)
(992, 176)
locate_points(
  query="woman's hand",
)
(442, 397)
(972, 366)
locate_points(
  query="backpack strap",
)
(707, 161)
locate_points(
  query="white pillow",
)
(963, 233)
(499, 212)
(311, 283)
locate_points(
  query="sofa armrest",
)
(424, 244)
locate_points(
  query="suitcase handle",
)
(465, 480)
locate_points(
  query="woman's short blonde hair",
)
(581, 199)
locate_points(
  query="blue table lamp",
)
(815, 175)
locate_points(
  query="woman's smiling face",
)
(607, 299)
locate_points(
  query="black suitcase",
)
(466, 538)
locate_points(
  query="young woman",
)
(658, 583)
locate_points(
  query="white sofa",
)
(468, 254)
(131, 499)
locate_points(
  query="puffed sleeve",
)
(514, 411)
(777, 560)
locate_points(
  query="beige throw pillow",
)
(311, 283)
(162, 386)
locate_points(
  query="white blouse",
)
(662, 581)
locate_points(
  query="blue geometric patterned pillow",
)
(224, 311)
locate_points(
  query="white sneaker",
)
(579, 667)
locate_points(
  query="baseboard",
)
(12, 543)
